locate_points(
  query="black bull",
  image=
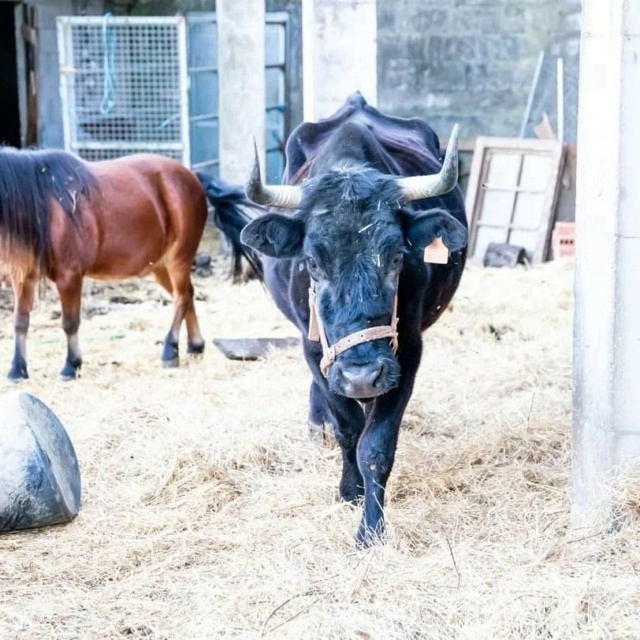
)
(354, 245)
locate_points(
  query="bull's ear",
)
(274, 235)
(423, 228)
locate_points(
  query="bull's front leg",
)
(348, 422)
(377, 444)
(348, 426)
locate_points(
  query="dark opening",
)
(9, 100)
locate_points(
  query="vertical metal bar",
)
(21, 60)
(181, 25)
(65, 58)
(532, 92)
(560, 97)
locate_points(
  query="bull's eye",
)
(313, 268)
(397, 259)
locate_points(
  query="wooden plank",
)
(252, 348)
(544, 130)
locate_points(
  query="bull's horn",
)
(286, 196)
(417, 187)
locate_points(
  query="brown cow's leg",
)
(179, 273)
(196, 343)
(170, 352)
(161, 275)
(23, 291)
(70, 291)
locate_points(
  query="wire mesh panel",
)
(124, 86)
(135, 84)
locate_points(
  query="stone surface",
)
(39, 474)
(241, 77)
(339, 54)
(606, 364)
(473, 61)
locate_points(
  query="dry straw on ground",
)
(208, 513)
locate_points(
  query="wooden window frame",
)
(477, 185)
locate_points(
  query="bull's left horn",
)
(286, 196)
(417, 187)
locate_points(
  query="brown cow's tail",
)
(229, 217)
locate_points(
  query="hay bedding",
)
(208, 513)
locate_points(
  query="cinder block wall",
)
(473, 61)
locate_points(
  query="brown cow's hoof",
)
(18, 372)
(171, 364)
(196, 348)
(69, 373)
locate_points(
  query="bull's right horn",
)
(286, 196)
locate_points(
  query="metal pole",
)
(532, 92)
(560, 97)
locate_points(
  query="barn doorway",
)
(9, 81)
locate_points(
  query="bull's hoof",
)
(351, 493)
(367, 537)
(322, 434)
(39, 473)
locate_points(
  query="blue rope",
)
(109, 52)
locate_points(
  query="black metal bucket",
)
(39, 473)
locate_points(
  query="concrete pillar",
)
(339, 54)
(241, 76)
(606, 427)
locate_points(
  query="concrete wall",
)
(338, 54)
(471, 61)
(466, 61)
(49, 106)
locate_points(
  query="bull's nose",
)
(360, 381)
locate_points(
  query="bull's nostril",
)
(381, 372)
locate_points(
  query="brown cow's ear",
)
(422, 229)
(274, 235)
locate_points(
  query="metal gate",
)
(202, 42)
(124, 86)
(151, 84)
(202, 67)
(276, 49)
